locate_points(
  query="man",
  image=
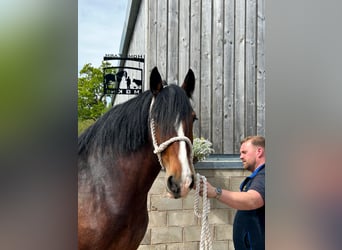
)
(249, 222)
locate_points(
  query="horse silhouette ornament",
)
(120, 156)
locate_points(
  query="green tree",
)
(90, 90)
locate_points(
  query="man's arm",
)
(239, 200)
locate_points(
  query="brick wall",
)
(173, 224)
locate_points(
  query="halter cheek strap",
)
(158, 149)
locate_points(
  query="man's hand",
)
(211, 193)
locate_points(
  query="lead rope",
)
(206, 242)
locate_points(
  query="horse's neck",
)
(137, 172)
(125, 179)
(145, 168)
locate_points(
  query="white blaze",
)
(183, 158)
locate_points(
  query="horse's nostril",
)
(173, 186)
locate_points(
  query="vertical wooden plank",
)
(173, 34)
(250, 67)
(146, 51)
(195, 58)
(184, 38)
(142, 51)
(217, 76)
(206, 108)
(239, 122)
(152, 37)
(261, 68)
(162, 37)
(228, 76)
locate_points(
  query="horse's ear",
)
(156, 84)
(189, 83)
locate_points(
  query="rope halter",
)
(158, 149)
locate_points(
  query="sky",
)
(100, 26)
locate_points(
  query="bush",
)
(83, 125)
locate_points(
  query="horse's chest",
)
(129, 230)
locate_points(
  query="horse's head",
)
(171, 121)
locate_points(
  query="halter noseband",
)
(159, 149)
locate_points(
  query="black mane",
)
(125, 128)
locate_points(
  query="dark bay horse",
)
(120, 156)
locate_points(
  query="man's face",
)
(248, 156)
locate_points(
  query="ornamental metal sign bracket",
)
(121, 82)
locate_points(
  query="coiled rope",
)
(206, 242)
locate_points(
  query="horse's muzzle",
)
(178, 189)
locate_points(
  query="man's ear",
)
(156, 83)
(260, 151)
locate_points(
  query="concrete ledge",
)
(220, 161)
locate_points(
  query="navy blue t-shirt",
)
(249, 225)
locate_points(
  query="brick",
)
(158, 186)
(207, 173)
(148, 203)
(217, 204)
(147, 238)
(235, 182)
(157, 219)
(231, 215)
(161, 203)
(223, 232)
(192, 233)
(218, 216)
(221, 182)
(238, 172)
(183, 246)
(231, 245)
(226, 173)
(223, 173)
(188, 202)
(156, 247)
(246, 173)
(181, 218)
(166, 235)
(162, 174)
(220, 245)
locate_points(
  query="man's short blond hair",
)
(256, 140)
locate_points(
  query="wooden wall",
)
(223, 42)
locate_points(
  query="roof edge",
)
(131, 18)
